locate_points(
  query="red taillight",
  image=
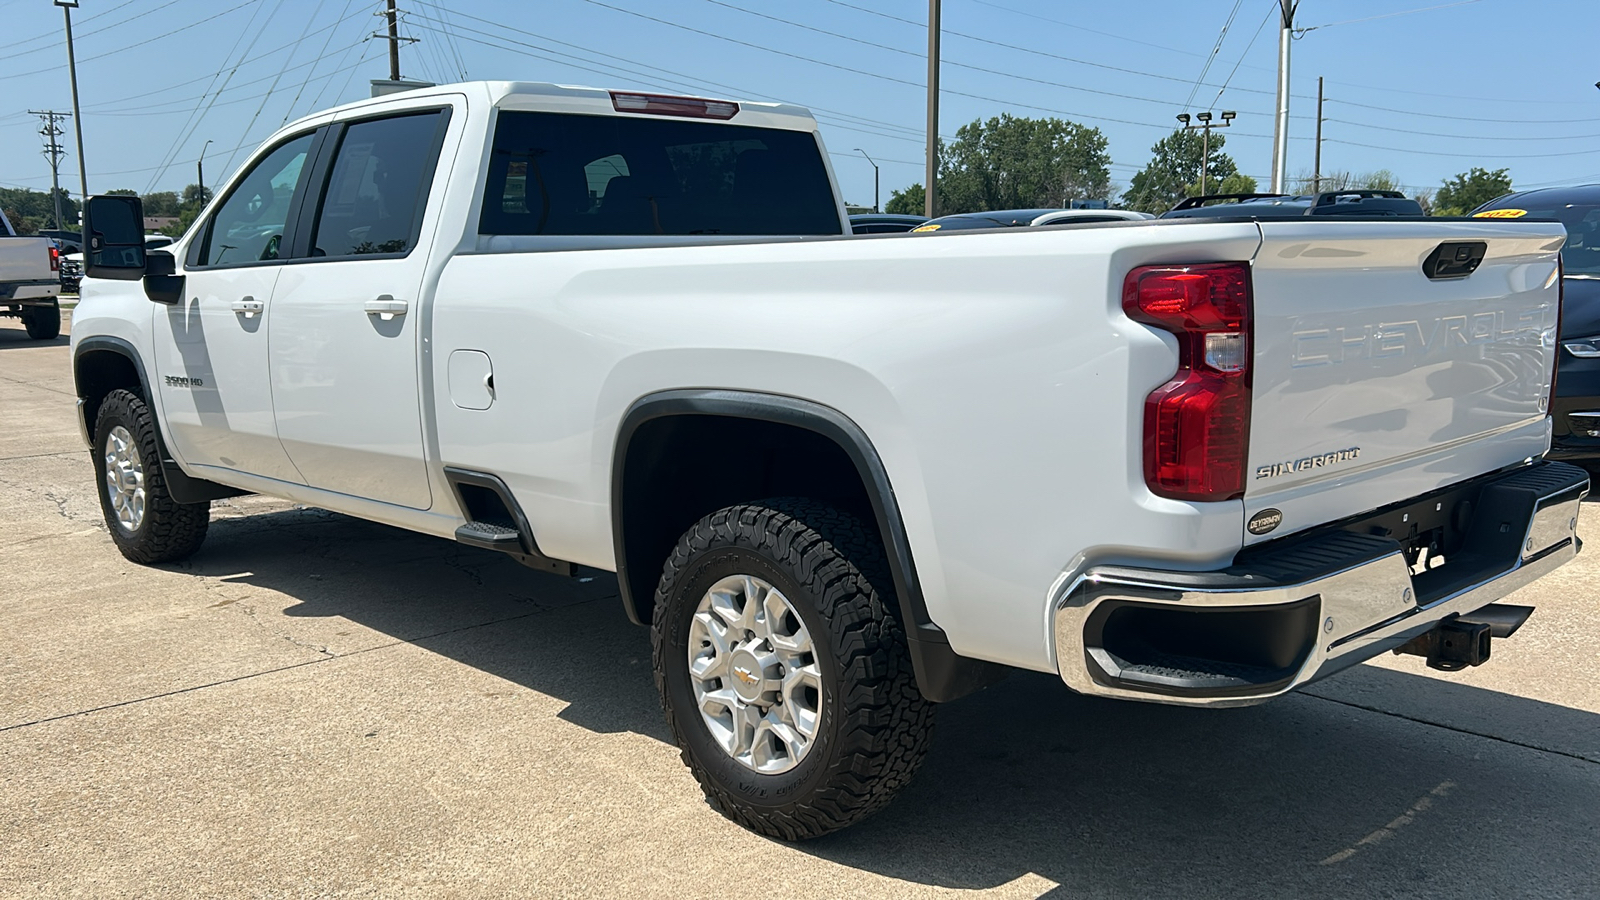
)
(1197, 426)
(55, 258)
(667, 105)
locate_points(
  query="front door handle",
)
(386, 307)
(249, 306)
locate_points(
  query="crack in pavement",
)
(292, 666)
(1457, 729)
(39, 386)
(73, 452)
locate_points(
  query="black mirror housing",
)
(162, 284)
(113, 228)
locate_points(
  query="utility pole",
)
(932, 166)
(392, 35)
(67, 6)
(1316, 166)
(53, 151)
(1205, 125)
(1280, 131)
(394, 43)
(874, 180)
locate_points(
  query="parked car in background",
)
(30, 280)
(1022, 218)
(68, 241)
(1576, 407)
(884, 223)
(1327, 203)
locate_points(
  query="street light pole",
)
(67, 6)
(200, 173)
(1205, 125)
(874, 180)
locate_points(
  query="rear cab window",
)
(573, 174)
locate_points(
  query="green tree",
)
(1470, 190)
(161, 203)
(197, 194)
(24, 225)
(1381, 180)
(908, 202)
(1174, 166)
(1019, 163)
(1233, 184)
(38, 206)
(123, 192)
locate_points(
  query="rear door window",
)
(560, 174)
(378, 186)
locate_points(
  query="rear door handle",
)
(249, 306)
(386, 307)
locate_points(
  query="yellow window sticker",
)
(1500, 214)
(926, 228)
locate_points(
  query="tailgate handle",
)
(1454, 259)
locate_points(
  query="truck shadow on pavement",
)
(13, 337)
(1379, 784)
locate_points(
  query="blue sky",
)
(1426, 94)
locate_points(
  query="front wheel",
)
(784, 674)
(146, 524)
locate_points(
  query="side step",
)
(489, 536)
(495, 521)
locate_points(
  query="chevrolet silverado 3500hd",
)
(841, 478)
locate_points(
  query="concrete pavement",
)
(319, 706)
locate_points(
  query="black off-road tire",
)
(874, 724)
(170, 530)
(42, 322)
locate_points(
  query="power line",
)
(1229, 80)
(948, 61)
(678, 78)
(126, 47)
(1405, 12)
(323, 54)
(1212, 56)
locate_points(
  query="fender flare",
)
(941, 673)
(183, 487)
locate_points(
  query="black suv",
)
(1576, 408)
(1327, 203)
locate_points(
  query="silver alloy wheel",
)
(754, 674)
(125, 479)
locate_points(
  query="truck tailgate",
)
(1374, 383)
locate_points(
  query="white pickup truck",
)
(841, 478)
(30, 281)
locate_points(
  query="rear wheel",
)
(784, 674)
(42, 322)
(146, 524)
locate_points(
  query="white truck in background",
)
(30, 281)
(841, 478)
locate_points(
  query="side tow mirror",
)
(113, 229)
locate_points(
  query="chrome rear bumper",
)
(1320, 603)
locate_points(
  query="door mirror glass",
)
(114, 226)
